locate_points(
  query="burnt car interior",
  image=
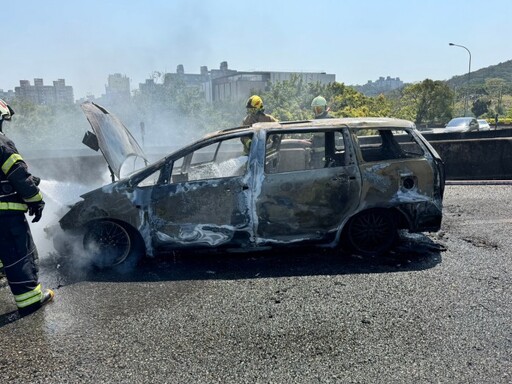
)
(285, 152)
(224, 158)
(220, 159)
(388, 145)
(299, 151)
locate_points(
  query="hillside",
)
(478, 77)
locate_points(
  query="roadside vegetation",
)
(181, 111)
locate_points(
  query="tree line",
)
(177, 110)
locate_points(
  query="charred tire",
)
(110, 244)
(371, 233)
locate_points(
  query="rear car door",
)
(308, 185)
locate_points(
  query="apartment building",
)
(58, 93)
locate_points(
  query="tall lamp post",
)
(469, 75)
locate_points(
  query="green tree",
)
(495, 88)
(429, 101)
(291, 100)
(480, 106)
(37, 126)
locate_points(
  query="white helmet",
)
(6, 111)
(319, 105)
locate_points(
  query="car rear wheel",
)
(110, 244)
(371, 233)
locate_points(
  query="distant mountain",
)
(478, 77)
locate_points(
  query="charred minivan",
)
(350, 182)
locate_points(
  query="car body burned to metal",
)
(349, 182)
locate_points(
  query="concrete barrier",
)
(485, 155)
(478, 159)
(82, 166)
(89, 170)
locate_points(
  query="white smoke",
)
(58, 196)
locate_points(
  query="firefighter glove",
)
(36, 210)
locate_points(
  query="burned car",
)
(350, 182)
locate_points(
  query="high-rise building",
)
(58, 93)
(228, 84)
(118, 88)
(382, 85)
(7, 95)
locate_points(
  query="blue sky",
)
(357, 40)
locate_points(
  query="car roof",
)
(463, 118)
(351, 122)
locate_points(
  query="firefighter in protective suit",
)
(19, 193)
(255, 114)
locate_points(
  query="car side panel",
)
(404, 184)
(306, 205)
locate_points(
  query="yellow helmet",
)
(255, 103)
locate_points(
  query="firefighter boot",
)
(45, 299)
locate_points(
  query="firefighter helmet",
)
(255, 103)
(6, 111)
(319, 105)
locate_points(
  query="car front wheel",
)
(110, 244)
(371, 233)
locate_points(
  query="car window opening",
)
(292, 152)
(389, 145)
(222, 159)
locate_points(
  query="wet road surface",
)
(437, 309)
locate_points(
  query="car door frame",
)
(281, 191)
(186, 224)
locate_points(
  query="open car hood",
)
(113, 138)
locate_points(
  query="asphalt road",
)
(437, 309)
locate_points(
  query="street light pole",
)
(469, 75)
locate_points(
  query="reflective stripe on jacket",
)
(7, 165)
(15, 171)
(7, 206)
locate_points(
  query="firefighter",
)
(255, 114)
(320, 109)
(19, 193)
